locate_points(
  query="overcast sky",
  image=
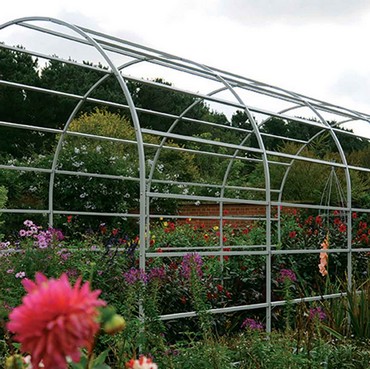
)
(315, 47)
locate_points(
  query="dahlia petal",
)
(40, 278)
(28, 285)
(55, 320)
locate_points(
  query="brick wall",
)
(229, 210)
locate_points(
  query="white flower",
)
(142, 363)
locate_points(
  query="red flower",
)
(309, 220)
(228, 294)
(172, 226)
(55, 320)
(364, 238)
(342, 228)
(337, 221)
(354, 215)
(292, 234)
(318, 220)
(69, 218)
(226, 258)
(245, 230)
(115, 231)
(220, 287)
(336, 212)
(103, 228)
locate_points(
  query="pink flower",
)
(55, 320)
(287, 274)
(20, 275)
(142, 363)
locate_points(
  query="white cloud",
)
(313, 47)
(294, 11)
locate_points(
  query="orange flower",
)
(55, 320)
(324, 256)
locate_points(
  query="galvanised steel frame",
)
(228, 92)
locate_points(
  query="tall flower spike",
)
(324, 256)
(55, 320)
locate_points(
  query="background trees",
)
(33, 148)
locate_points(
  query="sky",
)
(314, 47)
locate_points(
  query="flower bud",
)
(115, 324)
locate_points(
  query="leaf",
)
(101, 358)
(102, 366)
(76, 365)
(333, 332)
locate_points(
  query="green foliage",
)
(207, 342)
(281, 351)
(3, 200)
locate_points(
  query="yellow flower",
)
(165, 224)
(215, 228)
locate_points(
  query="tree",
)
(18, 105)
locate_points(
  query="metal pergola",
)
(226, 92)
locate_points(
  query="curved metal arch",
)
(230, 82)
(349, 192)
(130, 102)
(267, 196)
(64, 133)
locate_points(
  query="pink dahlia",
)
(55, 320)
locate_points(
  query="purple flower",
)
(56, 234)
(4, 245)
(318, 313)
(22, 233)
(252, 324)
(192, 261)
(134, 275)
(157, 273)
(287, 274)
(42, 240)
(45, 238)
(72, 273)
